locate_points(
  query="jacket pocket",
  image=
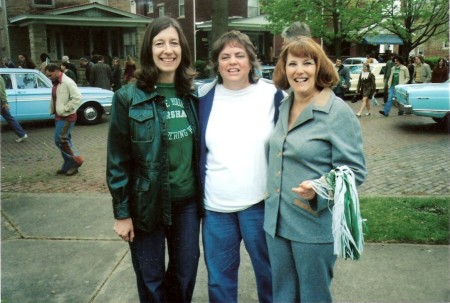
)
(142, 124)
(144, 205)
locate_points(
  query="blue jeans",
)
(222, 235)
(176, 284)
(63, 141)
(390, 100)
(302, 272)
(17, 128)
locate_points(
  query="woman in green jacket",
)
(151, 166)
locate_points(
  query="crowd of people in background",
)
(99, 70)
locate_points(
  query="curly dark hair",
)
(148, 75)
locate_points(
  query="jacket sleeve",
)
(347, 76)
(346, 146)
(374, 86)
(74, 97)
(358, 87)
(118, 156)
(407, 75)
(428, 71)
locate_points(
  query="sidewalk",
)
(61, 248)
(58, 244)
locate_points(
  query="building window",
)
(161, 11)
(445, 44)
(150, 7)
(181, 8)
(43, 3)
(253, 8)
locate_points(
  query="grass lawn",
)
(423, 220)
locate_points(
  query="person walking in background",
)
(411, 67)
(152, 166)
(116, 74)
(71, 66)
(25, 62)
(16, 127)
(315, 133)
(45, 59)
(100, 74)
(344, 79)
(87, 65)
(66, 98)
(366, 88)
(422, 71)
(7, 63)
(66, 70)
(387, 73)
(399, 75)
(130, 68)
(237, 114)
(440, 72)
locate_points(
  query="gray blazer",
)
(326, 135)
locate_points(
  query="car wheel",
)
(90, 113)
(444, 121)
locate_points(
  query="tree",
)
(219, 24)
(416, 21)
(335, 21)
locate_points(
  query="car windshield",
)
(355, 69)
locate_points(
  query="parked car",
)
(377, 69)
(29, 94)
(428, 100)
(354, 60)
(267, 71)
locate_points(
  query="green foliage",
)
(201, 67)
(422, 220)
(332, 20)
(416, 21)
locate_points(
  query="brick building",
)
(75, 28)
(195, 17)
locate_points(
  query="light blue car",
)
(428, 99)
(29, 94)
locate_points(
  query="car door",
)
(33, 97)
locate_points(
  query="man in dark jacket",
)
(344, 79)
(101, 74)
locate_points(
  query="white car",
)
(354, 60)
(377, 69)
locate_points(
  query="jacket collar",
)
(140, 95)
(322, 102)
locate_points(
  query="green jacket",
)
(137, 171)
(3, 91)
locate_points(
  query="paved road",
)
(406, 155)
(58, 244)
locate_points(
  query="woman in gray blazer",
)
(315, 132)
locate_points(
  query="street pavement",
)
(58, 245)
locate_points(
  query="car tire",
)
(90, 113)
(444, 121)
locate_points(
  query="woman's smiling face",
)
(301, 74)
(234, 66)
(167, 53)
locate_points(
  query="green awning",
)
(382, 39)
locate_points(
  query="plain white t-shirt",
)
(237, 137)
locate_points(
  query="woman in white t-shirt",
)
(237, 114)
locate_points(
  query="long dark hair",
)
(148, 76)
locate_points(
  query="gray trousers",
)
(301, 272)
